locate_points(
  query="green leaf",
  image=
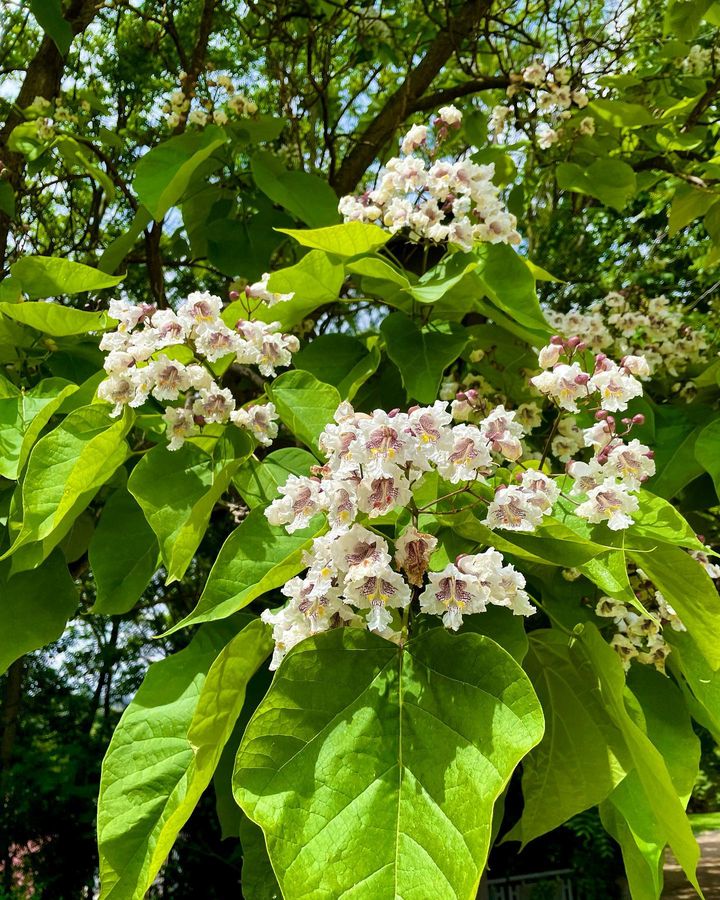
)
(436, 282)
(349, 239)
(683, 17)
(656, 789)
(506, 280)
(701, 682)
(256, 558)
(688, 588)
(22, 418)
(676, 433)
(36, 605)
(117, 250)
(442, 724)
(308, 197)
(338, 359)
(123, 555)
(258, 879)
(315, 281)
(178, 490)
(164, 751)
(689, 203)
(65, 470)
(48, 276)
(620, 113)
(574, 767)
(304, 404)
(611, 181)
(658, 705)
(660, 521)
(421, 355)
(162, 175)
(7, 199)
(707, 451)
(48, 14)
(258, 482)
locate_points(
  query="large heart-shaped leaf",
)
(373, 770)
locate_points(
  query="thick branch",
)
(707, 98)
(447, 95)
(404, 100)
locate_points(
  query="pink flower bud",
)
(583, 378)
(233, 295)
(393, 412)
(461, 395)
(601, 414)
(557, 340)
(650, 454)
(638, 419)
(581, 346)
(413, 408)
(574, 341)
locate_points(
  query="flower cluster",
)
(219, 104)
(700, 59)
(373, 464)
(432, 198)
(639, 635)
(143, 360)
(617, 469)
(552, 95)
(619, 321)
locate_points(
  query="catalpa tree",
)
(416, 343)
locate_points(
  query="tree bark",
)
(42, 79)
(407, 96)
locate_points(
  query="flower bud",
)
(233, 295)
(638, 419)
(601, 414)
(574, 341)
(583, 378)
(556, 340)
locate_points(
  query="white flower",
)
(215, 340)
(598, 435)
(259, 290)
(299, 501)
(197, 117)
(609, 502)
(466, 457)
(534, 74)
(200, 307)
(549, 355)
(587, 126)
(360, 553)
(586, 475)
(502, 433)
(565, 384)
(546, 137)
(631, 463)
(452, 593)
(511, 509)
(169, 377)
(214, 404)
(180, 425)
(380, 495)
(450, 115)
(416, 136)
(260, 419)
(616, 389)
(636, 365)
(712, 569)
(377, 593)
(128, 314)
(542, 491)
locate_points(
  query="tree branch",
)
(403, 101)
(447, 95)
